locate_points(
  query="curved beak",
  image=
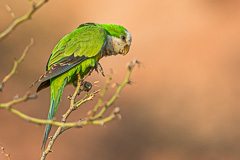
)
(128, 43)
(125, 50)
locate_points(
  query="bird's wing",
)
(84, 42)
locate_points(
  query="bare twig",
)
(119, 89)
(9, 104)
(25, 17)
(65, 116)
(27, 97)
(5, 154)
(63, 126)
(99, 103)
(72, 101)
(60, 130)
(16, 63)
(90, 120)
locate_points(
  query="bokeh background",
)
(185, 100)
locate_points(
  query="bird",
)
(78, 54)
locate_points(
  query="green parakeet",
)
(78, 53)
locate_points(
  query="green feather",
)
(57, 86)
(83, 41)
(114, 30)
(76, 53)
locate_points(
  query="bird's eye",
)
(123, 37)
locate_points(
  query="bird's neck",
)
(109, 49)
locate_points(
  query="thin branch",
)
(27, 97)
(74, 105)
(86, 98)
(60, 130)
(25, 17)
(9, 104)
(62, 126)
(91, 120)
(65, 116)
(119, 89)
(16, 63)
(99, 103)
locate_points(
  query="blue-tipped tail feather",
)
(56, 94)
(48, 126)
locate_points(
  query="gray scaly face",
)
(120, 45)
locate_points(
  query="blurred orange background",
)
(184, 103)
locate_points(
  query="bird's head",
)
(122, 44)
(119, 39)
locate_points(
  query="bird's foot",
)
(87, 86)
(98, 67)
(75, 83)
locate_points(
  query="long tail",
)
(57, 86)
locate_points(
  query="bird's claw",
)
(87, 86)
(98, 67)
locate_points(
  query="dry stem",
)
(91, 120)
(25, 17)
(16, 63)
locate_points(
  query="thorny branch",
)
(16, 63)
(25, 17)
